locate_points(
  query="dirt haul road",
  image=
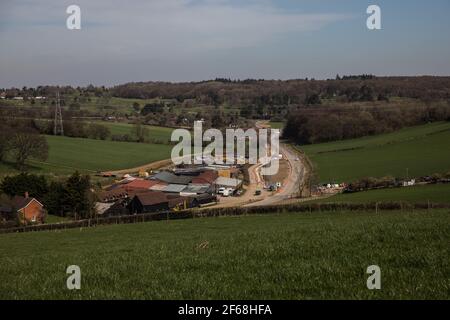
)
(295, 181)
(292, 183)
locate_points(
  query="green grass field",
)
(162, 134)
(416, 151)
(276, 125)
(287, 256)
(55, 219)
(87, 155)
(439, 193)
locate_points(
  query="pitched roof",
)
(113, 194)
(156, 197)
(172, 178)
(140, 184)
(205, 177)
(19, 202)
(174, 188)
(101, 207)
(228, 182)
(159, 186)
(197, 189)
(149, 199)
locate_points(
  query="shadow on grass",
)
(7, 166)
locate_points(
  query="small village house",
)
(28, 209)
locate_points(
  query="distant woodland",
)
(313, 110)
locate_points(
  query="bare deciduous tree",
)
(28, 143)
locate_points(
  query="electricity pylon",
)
(58, 129)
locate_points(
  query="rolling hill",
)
(87, 155)
(415, 151)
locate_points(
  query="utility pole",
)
(58, 128)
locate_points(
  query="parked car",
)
(257, 192)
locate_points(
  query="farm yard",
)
(290, 256)
(416, 151)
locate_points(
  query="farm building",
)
(190, 171)
(206, 177)
(226, 173)
(171, 178)
(140, 184)
(111, 209)
(28, 209)
(196, 189)
(118, 194)
(160, 186)
(113, 195)
(202, 199)
(101, 207)
(155, 201)
(231, 183)
(174, 188)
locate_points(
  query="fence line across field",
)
(232, 211)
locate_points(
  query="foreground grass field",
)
(439, 193)
(416, 151)
(291, 256)
(87, 155)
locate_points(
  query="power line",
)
(58, 129)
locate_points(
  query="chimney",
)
(27, 195)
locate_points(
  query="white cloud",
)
(166, 24)
(118, 32)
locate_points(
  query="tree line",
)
(317, 125)
(72, 197)
(302, 91)
(255, 92)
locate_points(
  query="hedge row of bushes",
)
(238, 211)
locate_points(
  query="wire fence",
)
(232, 211)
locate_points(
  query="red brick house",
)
(29, 210)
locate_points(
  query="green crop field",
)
(162, 134)
(87, 155)
(439, 193)
(286, 256)
(416, 151)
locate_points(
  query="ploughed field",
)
(285, 256)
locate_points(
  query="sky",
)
(191, 40)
